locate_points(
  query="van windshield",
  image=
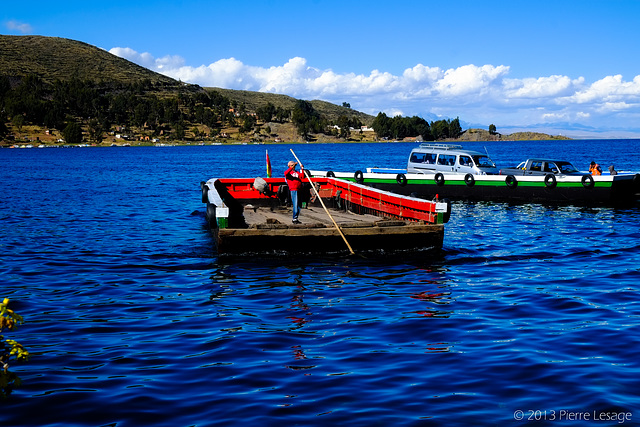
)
(484, 162)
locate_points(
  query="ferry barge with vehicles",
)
(249, 216)
(449, 171)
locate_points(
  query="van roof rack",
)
(441, 146)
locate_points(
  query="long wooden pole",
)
(322, 203)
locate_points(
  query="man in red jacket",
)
(294, 181)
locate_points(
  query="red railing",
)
(383, 202)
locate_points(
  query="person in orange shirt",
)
(595, 169)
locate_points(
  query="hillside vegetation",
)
(255, 100)
(56, 90)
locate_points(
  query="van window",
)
(430, 158)
(465, 161)
(417, 158)
(446, 159)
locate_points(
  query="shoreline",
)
(29, 145)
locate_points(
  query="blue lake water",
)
(132, 320)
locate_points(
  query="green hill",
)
(149, 105)
(53, 58)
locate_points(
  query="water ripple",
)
(132, 319)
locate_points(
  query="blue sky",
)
(563, 67)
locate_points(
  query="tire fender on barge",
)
(587, 181)
(401, 179)
(469, 180)
(550, 180)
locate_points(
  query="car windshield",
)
(566, 167)
(484, 162)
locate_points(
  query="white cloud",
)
(424, 74)
(473, 93)
(469, 79)
(554, 116)
(542, 87)
(610, 88)
(614, 106)
(20, 27)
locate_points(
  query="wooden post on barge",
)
(322, 203)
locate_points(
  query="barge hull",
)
(328, 240)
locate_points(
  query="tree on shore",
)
(179, 131)
(248, 124)
(306, 119)
(344, 124)
(443, 129)
(18, 122)
(96, 130)
(440, 130)
(492, 129)
(266, 112)
(455, 130)
(400, 127)
(72, 133)
(3, 127)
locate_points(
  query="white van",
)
(447, 158)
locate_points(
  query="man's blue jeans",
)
(295, 205)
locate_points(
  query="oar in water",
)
(322, 203)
